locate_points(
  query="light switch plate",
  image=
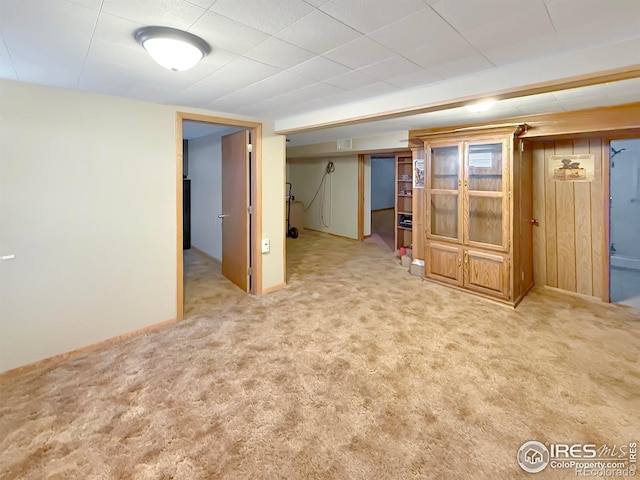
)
(265, 245)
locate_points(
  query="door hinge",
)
(250, 210)
(249, 271)
(509, 193)
(521, 146)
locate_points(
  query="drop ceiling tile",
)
(319, 68)
(541, 109)
(226, 34)
(150, 92)
(526, 27)
(442, 51)
(417, 79)
(591, 22)
(120, 55)
(464, 15)
(518, 50)
(367, 16)
(170, 13)
(198, 94)
(393, 67)
(297, 97)
(41, 44)
(318, 33)
(631, 86)
(240, 73)
(351, 80)
(202, 3)
(92, 4)
(278, 53)
(116, 30)
(462, 66)
(6, 66)
(422, 28)
(108, 78)
(280, 83)
(580, 93)
(373, 90)
(269, 17)
(269, 87)
(361, 52)
(316, 3)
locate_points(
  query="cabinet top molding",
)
(593, 121)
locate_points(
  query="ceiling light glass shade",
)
(481, 106)
(173, 49)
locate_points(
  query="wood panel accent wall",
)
(569, 243)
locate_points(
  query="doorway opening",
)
(383, 194)
(218, 217)
(624, 218)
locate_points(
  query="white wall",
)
(88, 206)
(625, 191)
(383, 187)
(205, 172)
(340, 206)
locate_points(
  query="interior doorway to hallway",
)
(218, 218)
(383, 198)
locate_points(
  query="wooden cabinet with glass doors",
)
(478, 188)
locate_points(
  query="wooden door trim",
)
(361, 159)
(256, 189)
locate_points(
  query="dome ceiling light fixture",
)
(174, 49)
(481, 106)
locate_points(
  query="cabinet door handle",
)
(459, 261)
(459, 183)
(465, 183)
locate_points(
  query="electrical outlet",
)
(265, 245)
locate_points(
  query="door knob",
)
(534, 221)
(222, 215)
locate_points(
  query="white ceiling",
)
(279, 59)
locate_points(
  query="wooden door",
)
(525, 217)
(487, 273)
(443, 263)
(235, 208)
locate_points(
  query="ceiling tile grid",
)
(288, 57)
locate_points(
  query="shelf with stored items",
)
(478, 201)
(403, 200)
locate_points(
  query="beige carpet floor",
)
(355, 371)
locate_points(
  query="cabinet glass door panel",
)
(484, 167)
(444, 215)
(485, 220)
(445, 168)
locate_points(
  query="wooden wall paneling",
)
(565, 226)
(599, 211)
(539, 232)
(582, 213)
(550, 214)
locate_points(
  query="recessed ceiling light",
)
(174, 49)
(482, 106)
